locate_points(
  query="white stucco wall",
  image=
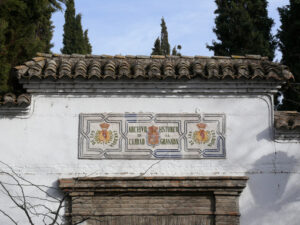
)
(43, 147)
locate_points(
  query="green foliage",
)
(176, 49)
(4, 65)
(243, 27)
(157, 48)
(289, 44)
(69, 29)
(161, 45)
(288, 35)
(88, 46)
(164, 42)
(74, 40)
(291, 100)
(25, 28)
(79, 44)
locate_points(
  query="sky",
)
(130, 27)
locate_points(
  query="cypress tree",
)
(243, 27)
(74, 40)
(161, 45)
(69, 37)
(88, 46)
(157, 48)
(175, 50)
(165, 46)
(79, 40)
(289, 44)
(25, 28)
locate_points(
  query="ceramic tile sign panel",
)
(151, 136)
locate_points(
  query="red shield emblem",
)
(153, 135)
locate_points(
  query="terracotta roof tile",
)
(73, 66)
(287, 126)
(11, 100)
(287, 120)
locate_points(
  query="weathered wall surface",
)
(43, 147)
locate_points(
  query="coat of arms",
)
(104, 136)
(153, 135)
(202, 135)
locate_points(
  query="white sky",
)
(130, 27)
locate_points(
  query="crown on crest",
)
(201, 125)
(153, 128)
(104, 125)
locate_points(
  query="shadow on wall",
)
(264, 135)
(267, 183)
(54, 191)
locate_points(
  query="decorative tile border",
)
(151, 136)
